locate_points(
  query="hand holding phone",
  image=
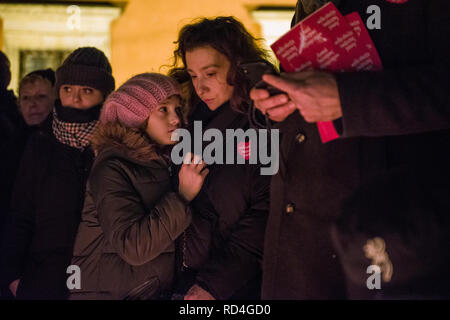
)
(254, 72)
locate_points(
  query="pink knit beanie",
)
(132, 103)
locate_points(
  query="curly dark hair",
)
(229, 37)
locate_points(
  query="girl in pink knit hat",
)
(132, 215)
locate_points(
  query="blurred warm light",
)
(274, 22)
(45, 27)
(137, 35)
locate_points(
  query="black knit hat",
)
(86, 66)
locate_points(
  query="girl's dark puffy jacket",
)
(125, 241)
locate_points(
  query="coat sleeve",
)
(138, 235)
(238, 261)
(402, 100)
(19, 231)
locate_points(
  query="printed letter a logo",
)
(74, 280)
(374, 281)
(374, 21)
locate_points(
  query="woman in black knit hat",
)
(50, 185)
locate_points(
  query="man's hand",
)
(278, 107)
(13, 287)
(313, 93)
(197, 293)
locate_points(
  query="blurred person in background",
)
(37, 96)
(36, 101)
(10, 128)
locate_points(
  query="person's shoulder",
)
(46, 126)
(117, 156)
(107, 161)
(38, 151)
(8, 101)
(112, 170)
(106, 170)
(40, 139)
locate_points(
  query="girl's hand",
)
(197, 293)
(191, 176)
(13, 287)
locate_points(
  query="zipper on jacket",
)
(184, 266)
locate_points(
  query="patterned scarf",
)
(75, 134)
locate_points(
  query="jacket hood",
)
(114, 139)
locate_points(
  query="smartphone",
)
(254, 72)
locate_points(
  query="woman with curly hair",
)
(221, 251)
